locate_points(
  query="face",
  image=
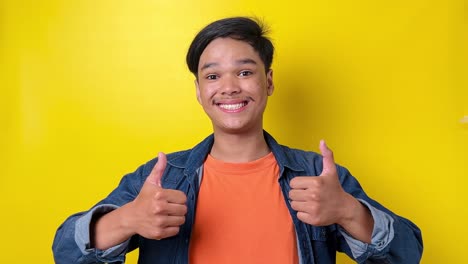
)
(232, 86)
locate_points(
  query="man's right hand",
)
(157, 213)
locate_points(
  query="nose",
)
(230, 85)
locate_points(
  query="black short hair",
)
(246, 29)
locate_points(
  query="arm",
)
(368, 231)
(394, 239)
(103, 235)
(156, 213)
(72, 242)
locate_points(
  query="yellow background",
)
(92, 89)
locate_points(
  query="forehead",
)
(227, 51)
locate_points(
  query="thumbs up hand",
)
(157, 213)
(321, 200)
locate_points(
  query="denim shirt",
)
(394, 238)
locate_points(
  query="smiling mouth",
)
(232, 107)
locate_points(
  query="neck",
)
(239, 148)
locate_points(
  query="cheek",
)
(261, 91)
(206, 94)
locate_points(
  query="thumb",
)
(158, 170)
(329, 166)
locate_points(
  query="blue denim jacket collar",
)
(195, 158)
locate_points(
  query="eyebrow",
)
(238, 62)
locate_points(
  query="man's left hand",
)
(321, 200)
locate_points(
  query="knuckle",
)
(159, 195)
(303, 217)
(157, 234)
(184, 198)
(158, 209)
(176, 230)
(158, 222)
(312, 220)
(172, 231)
(317, 183)
(312, 209)
(292, 182)
(179, 221)
(293, 205)
(313, 196)
(315, 221)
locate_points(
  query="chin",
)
(233, 129)
(236, 128)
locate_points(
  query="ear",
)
(197, 88)
(270, 85)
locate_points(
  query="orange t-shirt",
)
(241, 215)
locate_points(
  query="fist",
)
(320, 200)
(157, 212)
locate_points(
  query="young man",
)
(238, 196)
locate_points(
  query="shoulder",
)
(294, 158)
(299, 159)
(175, 159)
(309, 161)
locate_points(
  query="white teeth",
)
(232, 106)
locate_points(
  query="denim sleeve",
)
(72, 239)
(382, 233)
(395, 239)
(83, 239)
(72, 242)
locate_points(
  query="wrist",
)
(127, 220)
(112, 228)
(350, 210)
(357, 220)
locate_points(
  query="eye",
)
(245, 73)
(211, 77)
